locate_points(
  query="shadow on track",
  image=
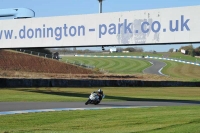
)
(83, 95)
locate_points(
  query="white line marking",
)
(68, 109)
(161, 70)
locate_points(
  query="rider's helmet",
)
(99, 90)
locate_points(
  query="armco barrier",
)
(159, 58)
(15, 83)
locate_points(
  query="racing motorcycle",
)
(94, 99)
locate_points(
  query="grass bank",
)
(182, 71)
(175, 70)
(112, 65)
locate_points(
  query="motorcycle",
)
(94, 99)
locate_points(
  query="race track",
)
(17, 106)
(155, 68)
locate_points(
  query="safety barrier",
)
(17, 83)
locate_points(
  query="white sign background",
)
(169, 25)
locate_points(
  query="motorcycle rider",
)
(99, 93)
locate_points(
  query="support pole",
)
(100, 6)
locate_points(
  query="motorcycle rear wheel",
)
(96, 103)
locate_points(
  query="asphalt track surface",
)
(17, 106)
(155, 68)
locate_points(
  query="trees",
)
(119, 49)
(139, 49)
(188, 47)
(197, 51)
(191, 51)
(130, 49)
(171, 50)
(134, 49)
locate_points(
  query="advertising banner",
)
(158, 26)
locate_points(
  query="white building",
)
(183, 51)
(113, 50)
(125, 51)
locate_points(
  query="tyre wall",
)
(12, 83)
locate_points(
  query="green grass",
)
(182, 119)
(181, 56)
(130, 54)
(112, 94)
(113, 65)
(176, 70)
(174, 55)
(182, 71)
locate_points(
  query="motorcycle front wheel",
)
(87, 102)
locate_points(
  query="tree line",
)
(190, 50)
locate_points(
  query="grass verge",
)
(182, 119)
(112, 94)
(182, 71)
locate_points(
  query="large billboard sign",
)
(158, 26)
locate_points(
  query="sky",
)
(48, 8)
